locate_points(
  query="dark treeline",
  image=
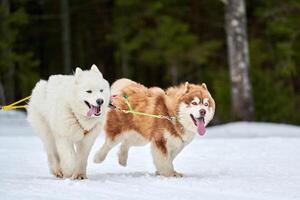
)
(158, 43)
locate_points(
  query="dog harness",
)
(131, 111)
(85, 132)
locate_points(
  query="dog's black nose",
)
(99, 102)
(202, 112)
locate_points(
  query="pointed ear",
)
(95, 69)
(78, 72)
(186, 87)
(203, 85)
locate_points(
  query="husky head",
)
(196, 107)
(91, 92)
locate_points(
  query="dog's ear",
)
(186, 87)
(78, 72)
(95, 69)
(203, 85)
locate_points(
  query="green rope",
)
(131, 111)
(128, 104)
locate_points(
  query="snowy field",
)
(237, 161)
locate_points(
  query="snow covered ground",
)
(237, 161)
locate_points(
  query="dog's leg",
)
(67, 156)
(174, 148)
(83, 149)
(107, 146)
(162, 160)
(173, 155)
(43, 130)
(123, 153)
(53, 158)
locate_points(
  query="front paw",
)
(67, 169)
(123, 160)
(177, 174)
(79, 176)
(58, 173)
(99, 157)
(169, 174)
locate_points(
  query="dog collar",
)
(79, 124)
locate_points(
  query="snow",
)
(236, 161)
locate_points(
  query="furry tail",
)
(38, 94)
(119, 85)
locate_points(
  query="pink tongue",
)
(200, 126)
(92, 111)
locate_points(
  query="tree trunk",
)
(66, 36)
(238, 58)
(8, 77)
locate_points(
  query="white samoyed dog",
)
(68, 112)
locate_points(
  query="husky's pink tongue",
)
(200, 126)
(93, 110)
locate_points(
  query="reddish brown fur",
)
(152, 101)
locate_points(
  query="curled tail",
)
(119, 85)
(38, 95)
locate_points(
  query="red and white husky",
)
(191, 105)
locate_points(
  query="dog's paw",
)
(176, 174)
(67, 166)
(169, 174)
(79, 176)
(123, 162)
(99, 157)
(58, 173)
(123, 159)
(67, 172)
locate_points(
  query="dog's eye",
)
(194, 103)
(101, 90)
(206, 104)
(89, 91)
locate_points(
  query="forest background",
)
(158, 43)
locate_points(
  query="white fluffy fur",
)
(58, 113)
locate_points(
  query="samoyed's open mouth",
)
(93, 110)
(200, 124)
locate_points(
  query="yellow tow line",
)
(14, 105)
(128, 111)
(133, 112)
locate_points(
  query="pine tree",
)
(16, 64)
